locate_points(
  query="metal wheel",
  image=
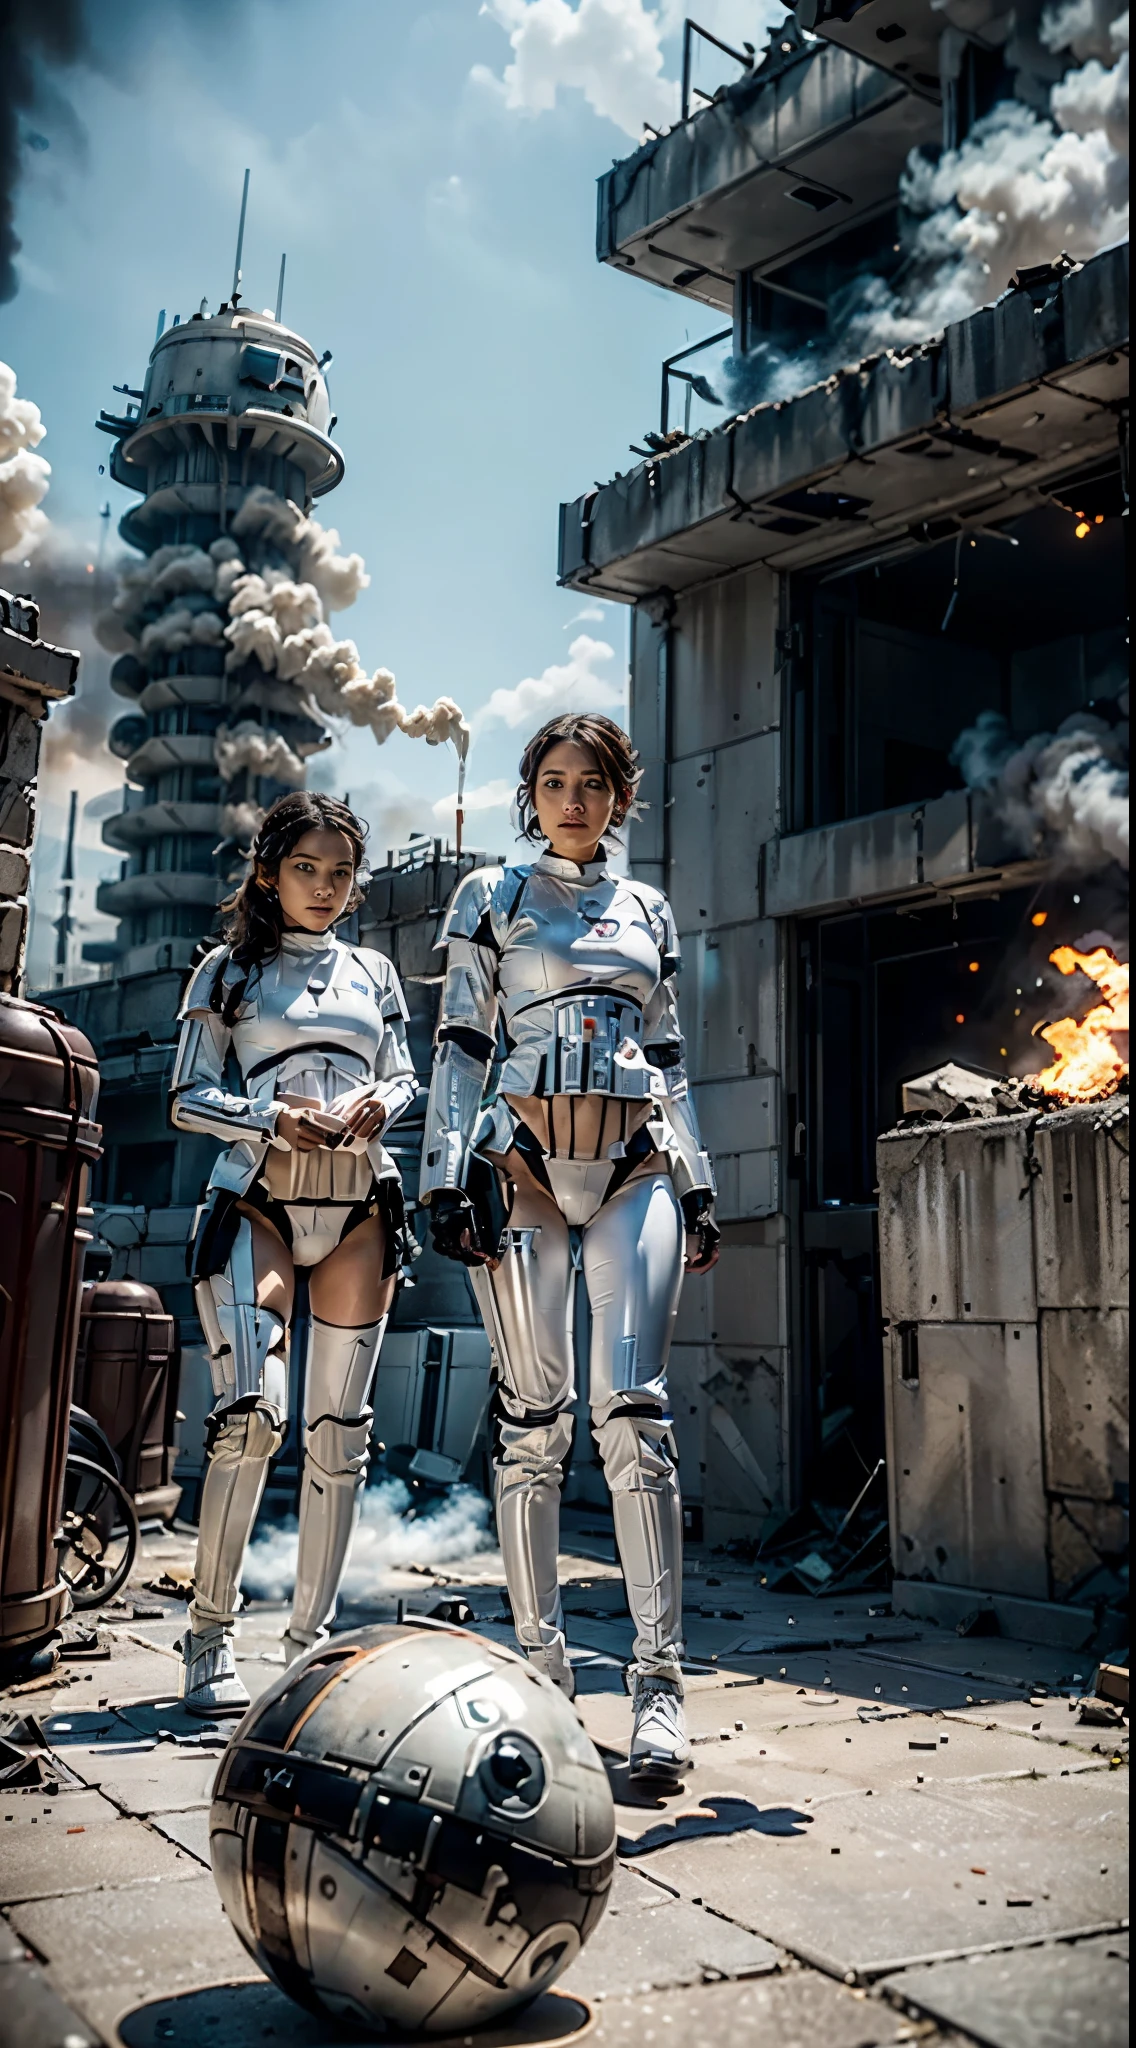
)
(99, 1533)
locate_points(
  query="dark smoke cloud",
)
(39, 39)
(35, 36)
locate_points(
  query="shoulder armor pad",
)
(659, 913)
(199, 987)
(469, 905)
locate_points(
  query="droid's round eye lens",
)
(509, 1767)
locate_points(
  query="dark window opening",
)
(143, 1173)
(898, 659)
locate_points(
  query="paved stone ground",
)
(888, 1834)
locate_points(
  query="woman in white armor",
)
(560, 1133)
(293, 1050)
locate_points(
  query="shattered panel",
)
(966, 1459)
(1081, 1207)
(1084, 1379)
(1083, 1536)
(955, 1223)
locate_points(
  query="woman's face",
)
(573, 800)
(314, 880)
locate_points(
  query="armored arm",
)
(199, 1097)
(395, 1083)
(466, 1036)
(665, 1048)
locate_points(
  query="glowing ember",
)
(1088, 1063)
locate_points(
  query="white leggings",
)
(632, 1259)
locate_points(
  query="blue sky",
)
(440, 241)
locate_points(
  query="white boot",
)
(209, 1683)
(660, 1750)
(296, 1646)
(552, 1662)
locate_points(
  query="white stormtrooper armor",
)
(322, 1021)
(559, 1038)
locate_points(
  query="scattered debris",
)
(175, 1579)
(1112, 1683)
(20, 1771)
(456, 1611)
(1097, 1713)
(85, 1645)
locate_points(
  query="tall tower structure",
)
(231, 428)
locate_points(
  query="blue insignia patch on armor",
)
(362, 988)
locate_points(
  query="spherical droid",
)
(410, 1829)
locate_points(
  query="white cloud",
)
(592, 614)
(610, 50)
(573, 685)
(490, 796)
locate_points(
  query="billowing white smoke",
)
(384, 1539)
(314, 549)
(241, 822)
(260, 751)
(155, 595)
(236, 594)
(1062, 795)
(23, 474)
(1019, 190)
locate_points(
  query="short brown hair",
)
(616, 760)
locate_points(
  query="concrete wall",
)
(705, 706)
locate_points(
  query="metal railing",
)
(690, 29)
(697, 386)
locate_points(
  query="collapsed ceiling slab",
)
(972, 427)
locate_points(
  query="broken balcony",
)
(965, 429)
(790, 158)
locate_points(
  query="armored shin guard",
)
(337, 1429)
(647, 1509)
(244, 1439)
(528, 1473)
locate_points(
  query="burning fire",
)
(1088, 1063)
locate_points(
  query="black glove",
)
(698, 1217)
(451, 1217)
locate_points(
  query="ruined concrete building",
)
(869, 586)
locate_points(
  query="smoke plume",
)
(262, 753)
(384, 1539)
(34, 31)
(1062, 795)
(1021, 188)
(24, 475)
(262, 591)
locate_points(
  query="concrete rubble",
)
(980, 1897)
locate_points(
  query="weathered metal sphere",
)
(410, 1829)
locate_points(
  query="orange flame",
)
(1088, 1063)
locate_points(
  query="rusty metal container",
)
(48, 1138)
(126, 1376)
